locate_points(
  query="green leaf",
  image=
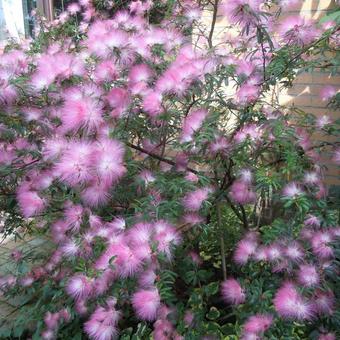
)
(213, 313)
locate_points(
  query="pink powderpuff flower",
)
(292, 190)
(95, 221)
(53, 148)
(165, 311)
(147, 279)
(119, 100)
(258, 323)
(69, 248)
(324, 302)
(247, 93)
(246, 176)
(188, 318)
(48, 335)
(312, 221)
(232, 292)
(102, 324)
(308, 275)
(30, 202)
(298, 30)
(75, 164)
(311, 178)
(291, 305)
(117, 224)
(327, 92)
(146, 304)
(329, 24)
(166, 237)
(140, 74)
(85, 113)
(73, 215)
(146, 176)
(138, 7)
(320, 247)
(248, 336)
(192, 14)
(143, 252)
(281, 266)
(105, 71)
(335, 232)
(328, 336)
(322, 121)
(192, 123)
(242, 12)
(51, 320)
(260, 254)
(102, 283)
(244, 250)
(294, 252)
(274, 252)
(152, 103)
(220, 144)
(191, 177)
(192, 218)
(336, 157)
(73, 8)
(303, 139)
(149, 146)
(163, 330)
(96, 194)
(140, 233)
(125, 260)
(251, 131)
(195, 258)
(321, 191)
(169, 81)
(193, 200)
(80, 307)
(32, 114)
(65, 315)
(78, 286)
(241, 192)
(245, 68)
(27, 281)
(108, 160)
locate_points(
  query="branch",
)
(213, 23)
(153, 155)
(219, 222)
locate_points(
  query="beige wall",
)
(305, 92)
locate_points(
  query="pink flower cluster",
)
(192, 123)
(52, 321)
(241, 190)
(242, 12)
(256, 325)
(290, 257)
(193, 200)
(232, 292)
(102, 324)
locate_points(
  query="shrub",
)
(182, 201)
